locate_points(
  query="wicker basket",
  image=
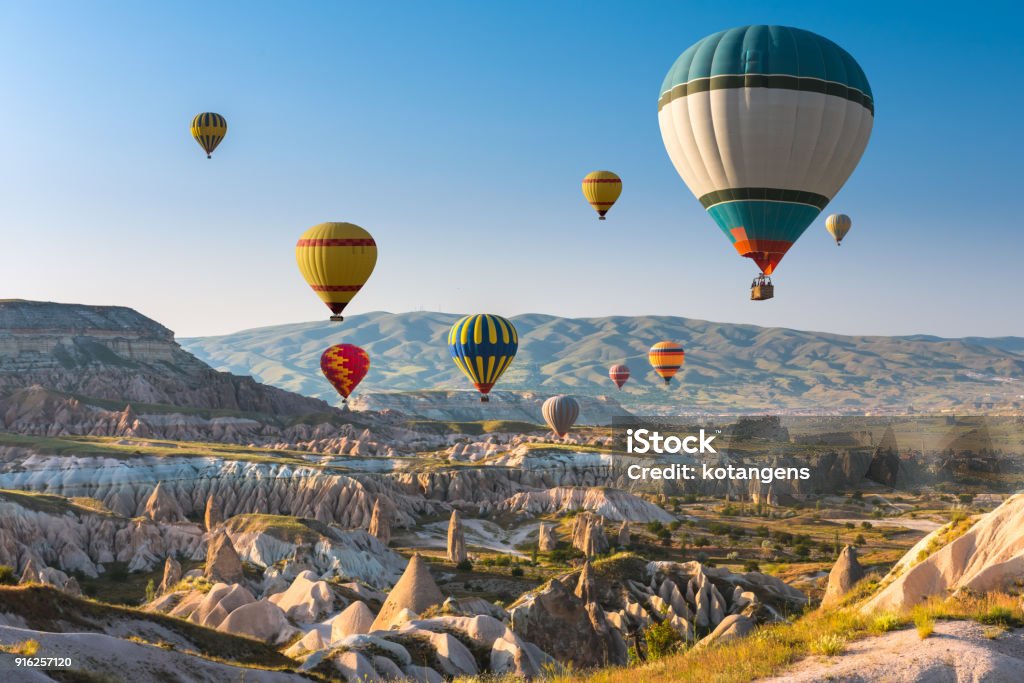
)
(762, 292)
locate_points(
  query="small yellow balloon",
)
(838, 224)
(209, 129)
(602, 189)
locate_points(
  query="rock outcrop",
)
(172, 575)
(222, 561)
(380, 527)
(612, 504)
(456, 539)
(987, 557)
(415, 592)
(546, 541)
(588, 535)
(624, 538)
(213, 515)
(845, 574)
(163, 507)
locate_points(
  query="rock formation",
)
(987, 557)
(353, 620)
(456, 539)
(222, 561)
(585, 588)
(613, 504)
(380, 528)
(624, 539)
(172, 574)
(213, 514)
(846, 572)
(546, 541)
(415, 591)
(162, 506)
(588, 534)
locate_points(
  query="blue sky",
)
(457, 133)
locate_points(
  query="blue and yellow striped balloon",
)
(209, 129)
(483, 346)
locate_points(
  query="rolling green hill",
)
(728, 367)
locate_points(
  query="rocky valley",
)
(163, 520)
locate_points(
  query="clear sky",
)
(457, 134)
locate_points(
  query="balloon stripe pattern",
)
(618, 374)
(765, 124)
(560, 412)
(602, 189)
(209, 129)
(336, 260)
(838, 224)
(666, 358)
(483, 346)
(344, 366)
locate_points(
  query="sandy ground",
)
(925, 525)
(957, 652)
(479, 533)
(124, 660)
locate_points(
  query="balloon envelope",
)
(344, 366)
(209, 129)
(666, 357)
(602, 189)
(619, 374)
(483, 346)
(838, 224)
(764, 124)
(560, 412)
(336, 260)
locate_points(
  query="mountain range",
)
(728, 367)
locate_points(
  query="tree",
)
(661, 640)
(7, 575)
(150, 591)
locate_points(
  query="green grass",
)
(475, 428)
(281, 527)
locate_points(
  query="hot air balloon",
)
(619, 374)
(666, 358)
(560, 412)
(336, 259)
(344, 366)
(483, 347)
(602, 188)
(764, 124)
(209, 129)
(838, 224)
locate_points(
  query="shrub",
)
(517, 571)
(751, 566)
(925, 624)
(829, 644)
(860, 540)
(465, 565)
(998, 615)
(7, 575)
(866, 525)
(885, 622)
(661, 640)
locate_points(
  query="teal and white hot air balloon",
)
(765, 124)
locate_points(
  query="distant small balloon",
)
(209, 129)
(560, 412)
(838, 224)
(619, 374)
(666, 357)
(602, 189)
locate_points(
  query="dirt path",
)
(957, 652)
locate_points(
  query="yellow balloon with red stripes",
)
(602, 189)
(336, 259)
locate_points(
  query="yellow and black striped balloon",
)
(209, 129)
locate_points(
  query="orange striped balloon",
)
(666, 357)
